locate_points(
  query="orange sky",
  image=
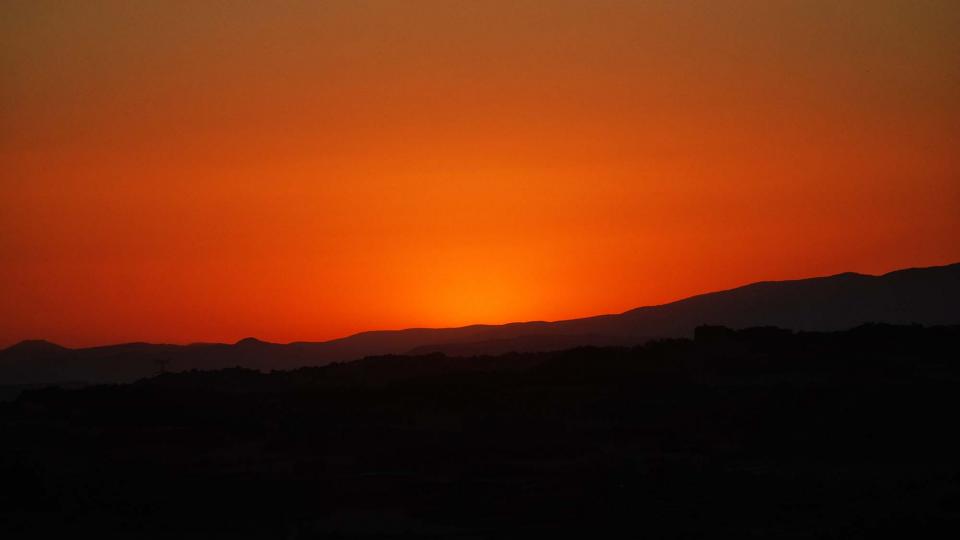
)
(203, 171)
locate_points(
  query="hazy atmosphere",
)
(178, 171)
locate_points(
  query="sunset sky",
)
(179, 171)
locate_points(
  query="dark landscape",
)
(470, 270)
(760, 433)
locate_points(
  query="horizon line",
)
(472, 325)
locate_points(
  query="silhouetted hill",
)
(929, 296)
(34, 346)
(753, 433)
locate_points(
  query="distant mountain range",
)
(927, 296)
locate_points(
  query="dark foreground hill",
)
(758, 433)
(929, 296)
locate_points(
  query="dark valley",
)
(760, 432)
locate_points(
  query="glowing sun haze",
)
(203, 171)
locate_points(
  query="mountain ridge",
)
(923, 295)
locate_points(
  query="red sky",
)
(205, 171)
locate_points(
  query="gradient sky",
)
(180, 171)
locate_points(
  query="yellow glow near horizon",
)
(301, 171)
